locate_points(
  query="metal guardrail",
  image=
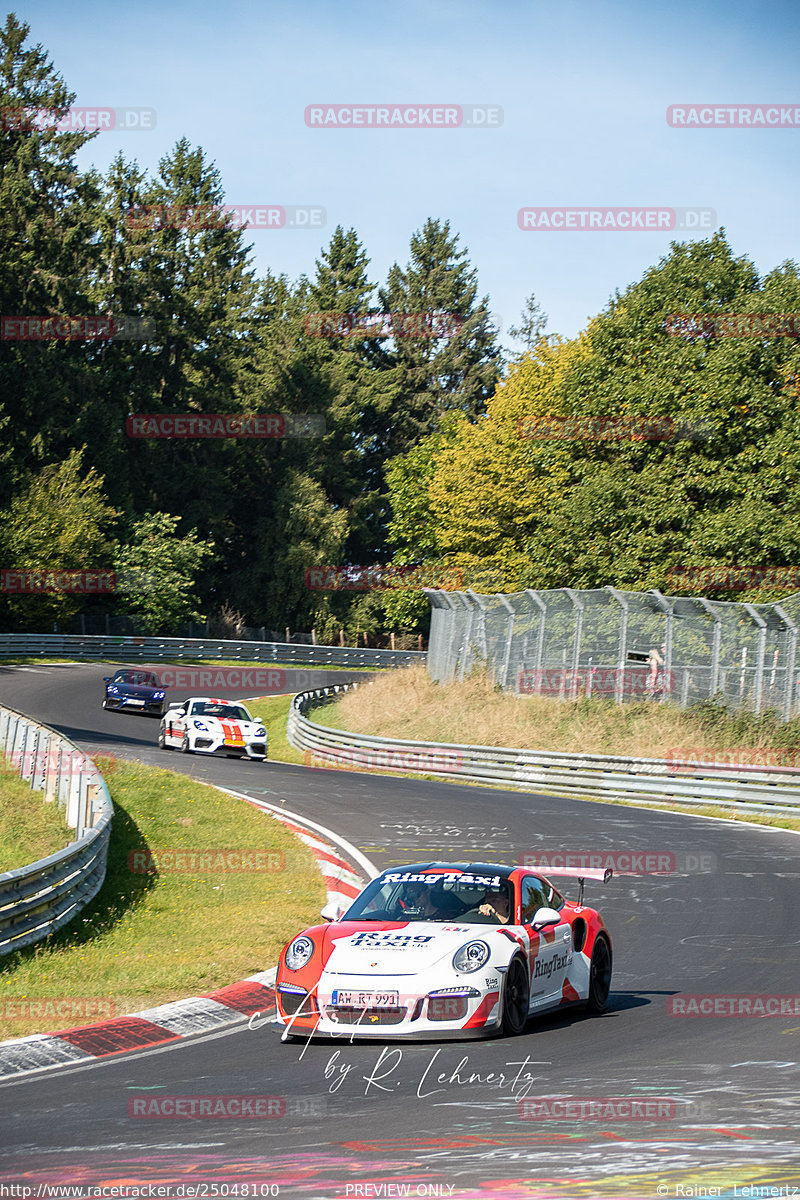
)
(775, 790)
(149, 649)
(37, 899)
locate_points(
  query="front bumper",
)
(203, 744)
(421, 1012)
(134, 704)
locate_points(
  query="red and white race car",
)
(445, 950)
(204, 725)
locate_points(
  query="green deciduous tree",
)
(158, 571)
(60, 521)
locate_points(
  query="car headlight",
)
(159, 695)
(260, 732)
(471, 957)
(200, 725)
(112, 690)
(299, 952)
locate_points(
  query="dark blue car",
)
(135, 691)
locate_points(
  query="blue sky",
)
(584, 89)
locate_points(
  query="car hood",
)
(225, 727)
(360, 947)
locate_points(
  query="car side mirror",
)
(332, 911)
(175, 705)
(106, 679)
(544, 917)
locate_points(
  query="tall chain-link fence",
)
(625, 645)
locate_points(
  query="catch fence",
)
(567, 643)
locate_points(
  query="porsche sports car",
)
(445, 950)
(135, 691)
(202, 725)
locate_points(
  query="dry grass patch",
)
(407, 704)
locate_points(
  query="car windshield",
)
(137, 679)
(434, 896)
(226, 712)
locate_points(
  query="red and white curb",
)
(197, 1014)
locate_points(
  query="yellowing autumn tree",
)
(491, 485)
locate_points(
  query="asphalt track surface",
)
(445, 1119)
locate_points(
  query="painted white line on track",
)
(348, 847)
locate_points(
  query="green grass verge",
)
(149, 938)
(30, 827)
(274, 711)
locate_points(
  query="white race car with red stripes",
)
(441, 950)
(205, 725)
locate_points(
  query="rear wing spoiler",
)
(582, 874)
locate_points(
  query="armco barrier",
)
(775, 790)
(38, 899)
(150, 649)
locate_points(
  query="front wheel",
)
(162, 741)
(599, 975)
(185, 745)
(516, 996)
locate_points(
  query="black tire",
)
(162, 745)
(599, 975)
(516, 997)
(185, 745)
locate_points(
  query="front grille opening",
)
(447, 1008)
(295, 1005)
(366, 1017)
